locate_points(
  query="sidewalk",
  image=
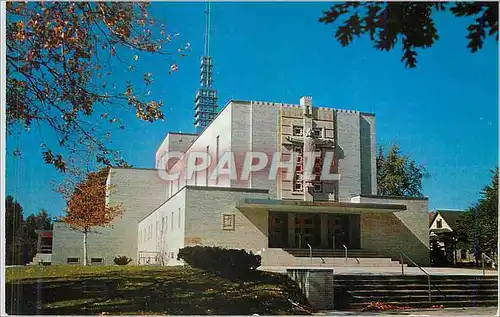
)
(466, 311)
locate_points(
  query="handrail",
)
(345, 247)
(483, 255)
(421, 269)
(310, 252)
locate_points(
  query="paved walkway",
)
(468, 311)
(392, 270)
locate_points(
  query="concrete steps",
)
(336, 258)
(330, 253)
(357, 291)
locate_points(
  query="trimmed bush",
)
(122, 260)
(229, 263)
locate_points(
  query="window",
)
(206, 169)
(179, 219)
(297, 182)
(166, 223)
(298, 130)
(217, 158)
(172, 222)
(195, 178)
(73, 260)
(162, 224)
(318, 187)
(171, 255)
(318, 132)
(156, 230)
(96, 260)
(463, 254)
(439, 223)
(228, 222)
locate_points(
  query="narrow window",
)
(297, 177)
(206, 170)
(463, 254)
(195, 178)
(217, 159)
(439, 224)
(172, 222)
(179, 219)
(73, 260)
(162, 224)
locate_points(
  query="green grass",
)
(67, 289)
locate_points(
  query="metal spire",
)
(207, 30)
(205, 102)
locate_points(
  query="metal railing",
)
(484, 255)
(343, 245)
(402, 256)
(310, 252)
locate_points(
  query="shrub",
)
(122, 260)
(230, 263)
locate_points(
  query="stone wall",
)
(316, 284)
(391, 233)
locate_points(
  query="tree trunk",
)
(85, 247)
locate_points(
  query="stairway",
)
(357, 291)
(355, 257)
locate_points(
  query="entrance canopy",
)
(316, 206)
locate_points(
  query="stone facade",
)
(139, 191)
(162, 216)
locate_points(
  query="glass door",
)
(305, 232)
(278, 237)
(338, 231)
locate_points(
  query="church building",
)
(295, 183)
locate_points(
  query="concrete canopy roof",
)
(316, 206)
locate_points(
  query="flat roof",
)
(311, 206)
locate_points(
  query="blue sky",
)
(444, 113)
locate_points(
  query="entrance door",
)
(344, 230)
(338, 231)
(306, 230)
(278, 232)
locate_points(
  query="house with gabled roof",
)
(444, 223)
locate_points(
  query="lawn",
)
(66, 289)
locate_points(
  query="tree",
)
(478, 227)
(398, 175)
(411, 23)
(13, 231)
(40, 221)
(87, 208)
(59, 59)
